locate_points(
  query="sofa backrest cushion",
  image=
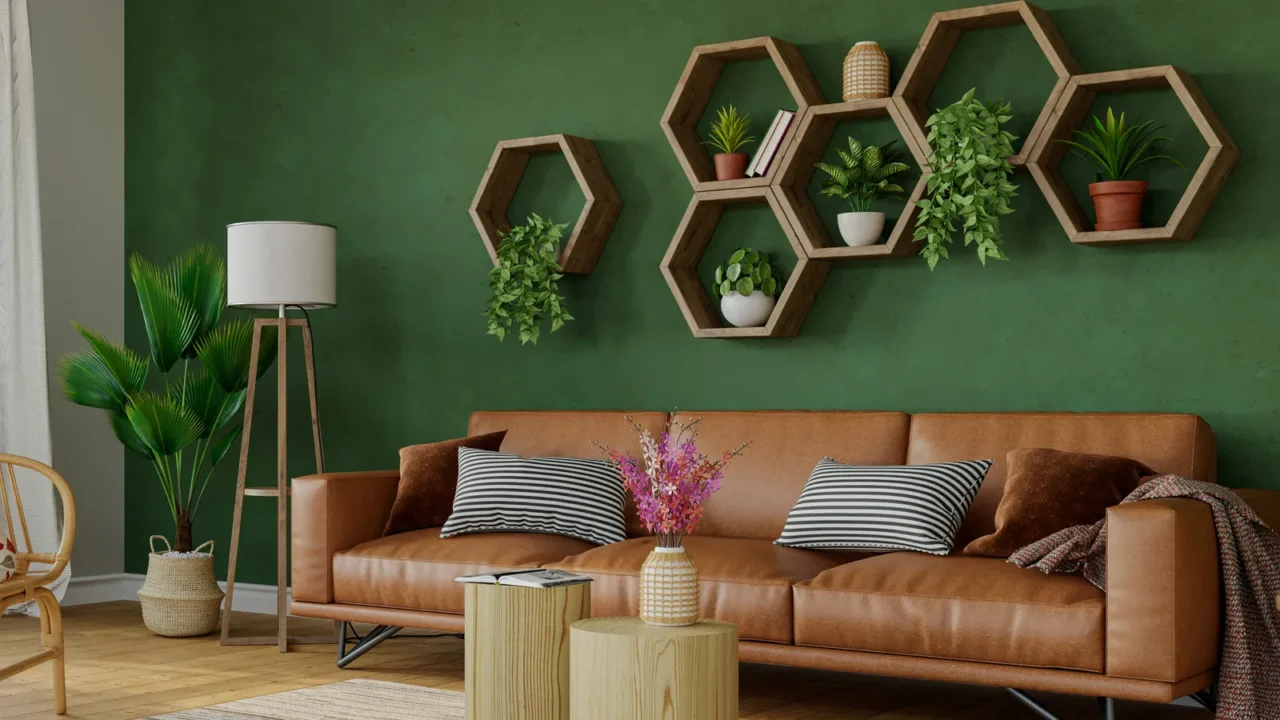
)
(569, 433)
(1167, 443)
(761, 486)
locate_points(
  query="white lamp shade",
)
(270, 264)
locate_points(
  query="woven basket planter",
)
(180, 597)
(669, 588)
(866, 72)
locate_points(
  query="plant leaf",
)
(225, 352)
(163, 424)
(103, 376)
(201, 277)
(127, 436)
(170, 320)
(222, 445)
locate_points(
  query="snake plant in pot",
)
(865, 174)
(1116, 149)
(180, 405)
(729, 134)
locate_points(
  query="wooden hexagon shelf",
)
(680, 268)
(795, 171)
(698, 82)
(1070, 114)
(940, 39)
(506, 168)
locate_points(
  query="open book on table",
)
(526, 578)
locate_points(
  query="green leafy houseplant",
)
(968, 188)
(746, 271)
(865, 175)
(525, 283)
(196, 409)
(729, 131)
(1116, 148)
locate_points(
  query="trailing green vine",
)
(525, 283)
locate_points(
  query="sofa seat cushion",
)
(747, 582)
(954, 607)
(415, 570)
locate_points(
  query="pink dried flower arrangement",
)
(672, 479)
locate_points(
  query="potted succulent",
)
(1116, 149)
(525, 282)
(729, 136)
(746, 284)
(864, 175)
(184, 427)
(968, 186)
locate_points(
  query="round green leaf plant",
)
(865, 174)
(190, 417)
(968, 187)
(525, 283)
(747, 271)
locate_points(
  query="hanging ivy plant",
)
(968, 188)
(525, 283)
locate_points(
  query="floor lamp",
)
(276, 266)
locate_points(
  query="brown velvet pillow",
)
(1049, 490)
(428, 481)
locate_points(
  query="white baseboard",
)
(249, 597)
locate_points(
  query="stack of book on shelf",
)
(767, 152)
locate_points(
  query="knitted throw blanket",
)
(1249, 551)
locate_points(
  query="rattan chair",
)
(24, 586)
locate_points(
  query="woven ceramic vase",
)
(180, 597)
(669, 588)
(866, 72)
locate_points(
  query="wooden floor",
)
(117, 669)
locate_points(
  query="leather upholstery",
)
(1264, 502)
(415, 570)
(331, 513)
(1162, 590)
(1167, 443)
(760, 487)
(747, 582)
(955, 607)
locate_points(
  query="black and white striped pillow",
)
(501, 492)
(887, 507)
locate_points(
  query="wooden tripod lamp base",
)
(276, 265)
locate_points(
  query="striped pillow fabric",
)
(502, 492)
(888, 507)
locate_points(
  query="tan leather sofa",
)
(1154, 636)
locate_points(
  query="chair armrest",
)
(1264, 502)
(1163, 590)
(331, 513)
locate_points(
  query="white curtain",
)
(24, 385)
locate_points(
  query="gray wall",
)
(78, 54)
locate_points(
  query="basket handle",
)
(203, 545)
(167, 546)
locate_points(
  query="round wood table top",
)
(636, 626)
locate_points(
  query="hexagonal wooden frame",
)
(680, 268)
(1071, 113)
(698, 82)
(506, 169)
(940, 39)
(795, 171)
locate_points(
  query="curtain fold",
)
(24, 384)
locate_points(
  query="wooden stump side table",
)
(622, 668)
(517, 650)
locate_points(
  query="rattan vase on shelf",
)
(669, 588)
(180, 597)
(866, 72)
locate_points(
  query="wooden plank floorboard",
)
(118, 670)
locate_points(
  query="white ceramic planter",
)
(861, 228)
(746, 310)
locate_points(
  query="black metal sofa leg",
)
(1106, 706)
(347, 634)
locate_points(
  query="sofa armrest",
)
(331, 513)
(1163, 590)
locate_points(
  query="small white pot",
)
(861, 228)
(746, 310)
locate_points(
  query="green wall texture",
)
(379, 117)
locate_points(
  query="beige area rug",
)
(347, 700)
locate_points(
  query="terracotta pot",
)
(1118, 203)
(731, 166)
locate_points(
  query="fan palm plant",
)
(186, 424)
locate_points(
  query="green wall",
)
(380, 116)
